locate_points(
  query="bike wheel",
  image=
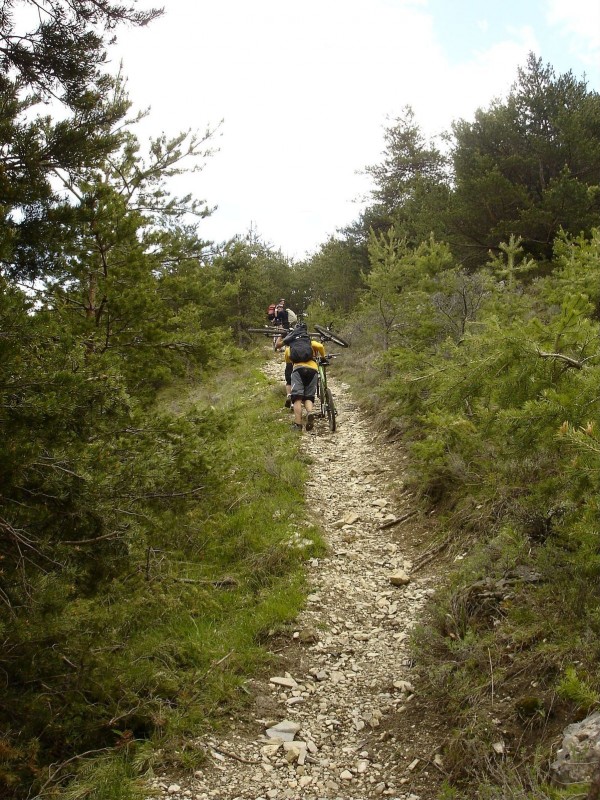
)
(264, 331)
(330, 410)
(269, 331)
(333, 337)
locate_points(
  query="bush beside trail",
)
(148, 634)
(495, 386)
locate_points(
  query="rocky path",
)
(337, 720)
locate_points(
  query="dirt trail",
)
(344, 688)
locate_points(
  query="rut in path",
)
(346, 673)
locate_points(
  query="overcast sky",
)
(306, 89)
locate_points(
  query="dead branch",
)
(160, 495)
(571, 362)
(397, 521)
(218, 584)
(430, 554)
(19, 536)
(236, 757)
(60, 767)
(96, 539)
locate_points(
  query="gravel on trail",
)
(340, 717)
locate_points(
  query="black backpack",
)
(301, 349)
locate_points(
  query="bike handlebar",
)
(322, 335)
(325, 361)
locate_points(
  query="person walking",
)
(284, 316)
(287, 319)
(300, 352)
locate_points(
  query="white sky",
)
(306, 89)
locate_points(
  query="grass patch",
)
(222, 575)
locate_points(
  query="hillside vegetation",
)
(146, 496)
(472, 302)
(145, 511)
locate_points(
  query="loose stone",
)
(354, 627)
(399, 578)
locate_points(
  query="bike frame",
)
(322, 382)
(327, 409)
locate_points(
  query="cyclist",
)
(304, 374)
(284, 316)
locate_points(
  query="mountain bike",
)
(327, 409)
(327, 405)
(271, 330)
(322, 333)
(327, 334)
(274, 331)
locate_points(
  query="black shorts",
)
(304, 383)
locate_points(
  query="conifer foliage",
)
(477, 330)
(527, 166)
(108, 293)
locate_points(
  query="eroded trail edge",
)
(337, 720)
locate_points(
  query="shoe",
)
(288, 401)
(296, 427)
(310, 421)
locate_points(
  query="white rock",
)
(286, 730)
(292, 701)
(290, 683)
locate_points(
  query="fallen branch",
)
(429, 555)
(397, 521)
(60, 767)
(162, 495)
(213, 665)
(236, 757)
(113, 535)
(218, 584)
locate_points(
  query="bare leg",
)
(298, 412)
(310, 417)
